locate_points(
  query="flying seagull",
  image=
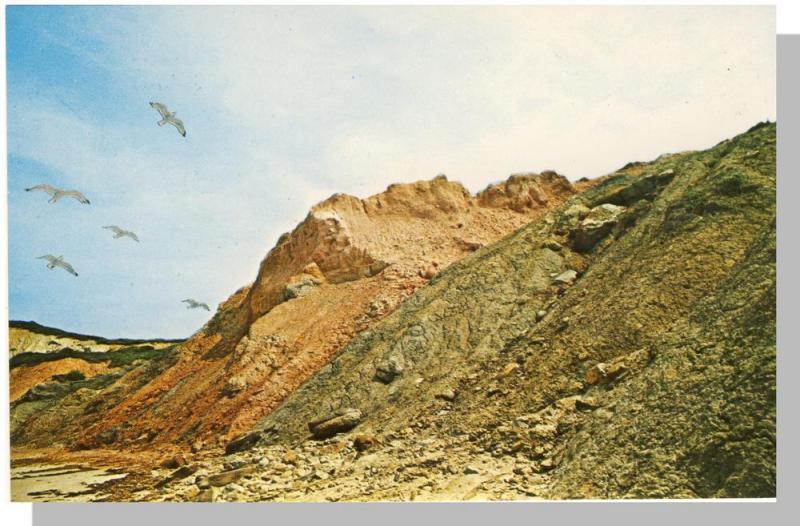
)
(57, 193)
(53, 262)
(121, 232)
(168, 117)
(192, 304)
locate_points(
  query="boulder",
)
(597, 225)
(328, 426)
(567, 277)
(243, 442)
(390, 368)
(227, 477)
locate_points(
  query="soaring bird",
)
(53, 262)
(121, 232)
(192, 304)
(168, 117)
(57, 193)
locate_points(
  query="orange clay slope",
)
(346, 266)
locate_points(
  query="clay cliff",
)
(346, 266)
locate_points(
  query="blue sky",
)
(287, 105)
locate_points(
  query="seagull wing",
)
(50, 259)
(43, 188)
(205, 307)
(77, 195)
(178, 124)
(160, 108)
(132, 235)
(66, 266)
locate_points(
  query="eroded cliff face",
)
(346, 266)
(618, 343)
(621, 346)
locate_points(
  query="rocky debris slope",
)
(623, 344)
(346, 266)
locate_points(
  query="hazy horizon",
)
(285, 106)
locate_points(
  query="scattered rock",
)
(364, 442)
(508, 370)
(227, 477)
(235, 463)
(233, 386)
(290, 457)
(173, 462)
(540, 314)
(206, 495)
(546, 464)
(328, 426)
(429, 271)
(179, 474)
(201, 481)
(604, 373)
(471, 470)
(552, 244)
(567, 277)
(470, 246)
(447, 394)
